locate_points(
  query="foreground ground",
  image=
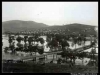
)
(47, 68)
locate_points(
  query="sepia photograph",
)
(50, 37)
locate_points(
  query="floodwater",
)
(19, 54)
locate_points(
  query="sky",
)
(52, 13)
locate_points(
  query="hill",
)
(75, 27)
(18, 25)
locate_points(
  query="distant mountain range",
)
(18, 25)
